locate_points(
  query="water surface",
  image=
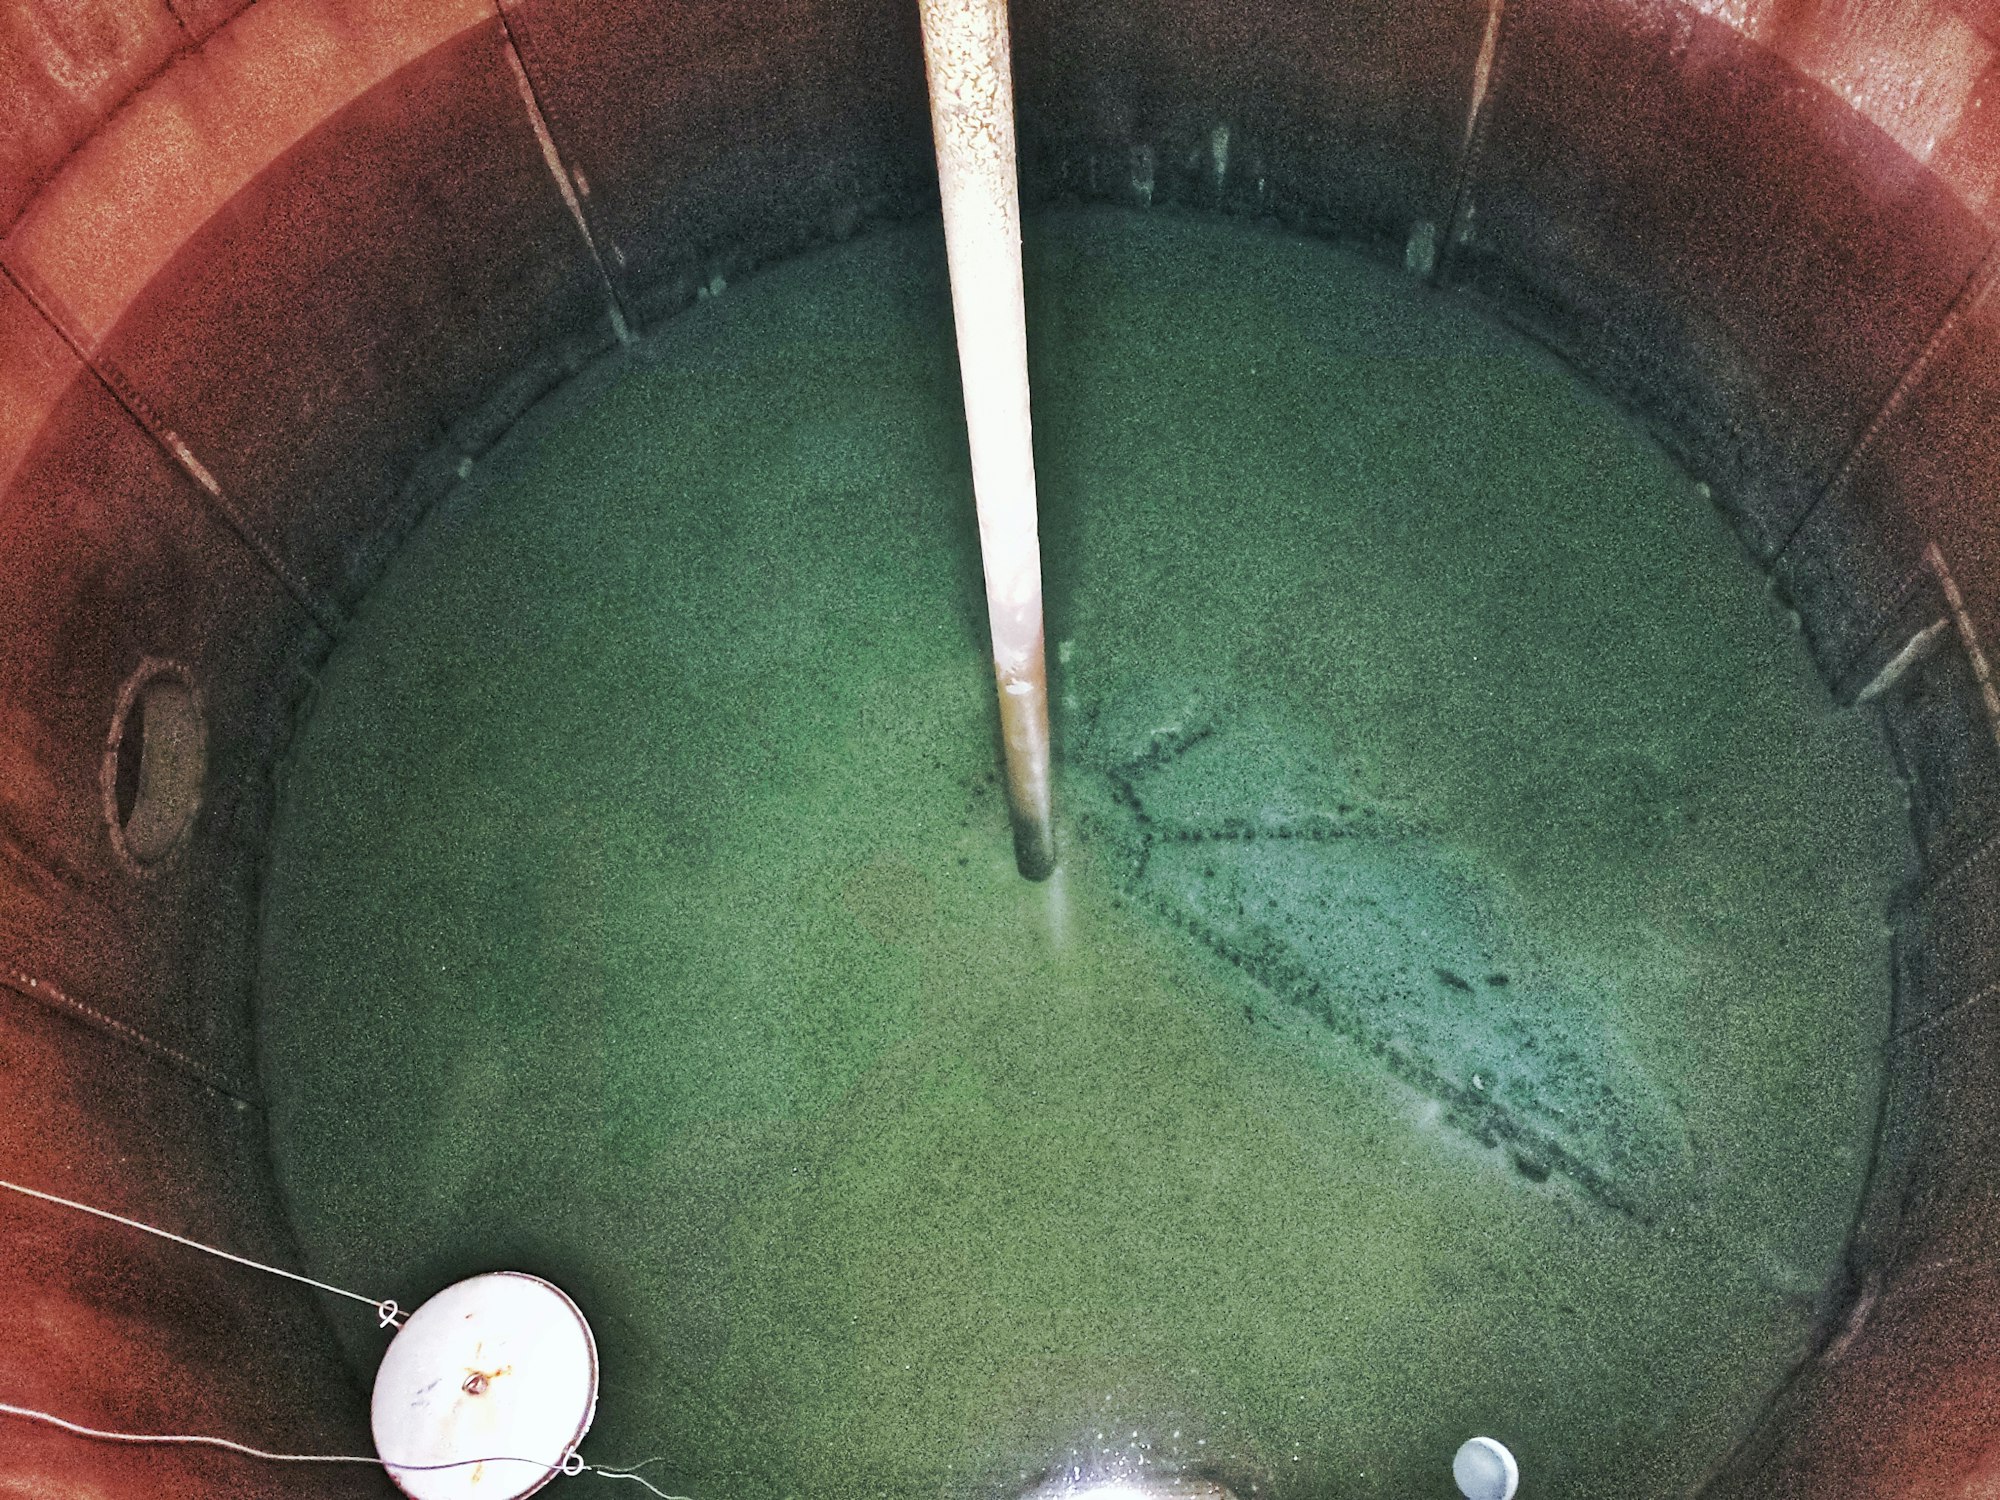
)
(1457, 1011)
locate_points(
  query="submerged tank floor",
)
(1458, 1010)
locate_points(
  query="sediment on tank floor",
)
(1459, 1008)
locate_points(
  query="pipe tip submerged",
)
(1034, 850)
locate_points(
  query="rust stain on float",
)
(477, 1382)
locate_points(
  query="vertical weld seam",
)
(1956, 1008)
(1474, 135)
(1978, 283)
(28, 987)
(1960, 870)
(565, 182)
(1981, 671)
(135, 407)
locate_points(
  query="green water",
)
(1457, 1011)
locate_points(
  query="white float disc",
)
(1485, 1470)
(500, 1366)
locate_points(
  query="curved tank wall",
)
(269, 273)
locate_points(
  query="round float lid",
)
(1485, 1470)
(500, 1366)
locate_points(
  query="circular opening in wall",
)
(154, 762)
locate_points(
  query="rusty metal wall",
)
(270, 272)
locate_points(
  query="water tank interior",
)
(498, 769)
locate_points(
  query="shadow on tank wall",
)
(273, 274)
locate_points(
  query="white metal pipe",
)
(972, 122)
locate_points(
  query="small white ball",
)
(1485, 1470)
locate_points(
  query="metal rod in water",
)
(972, 122)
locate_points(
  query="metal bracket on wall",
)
(1920, 646)
(1931, 568)
(1914, 650)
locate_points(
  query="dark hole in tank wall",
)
(131, 748)
(155, 765)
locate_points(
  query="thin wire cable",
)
(198, 1439)
(386, 1310)
(624, 1474)
(571, 1464)
(632, 1473)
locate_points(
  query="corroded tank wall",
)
(268, 274)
